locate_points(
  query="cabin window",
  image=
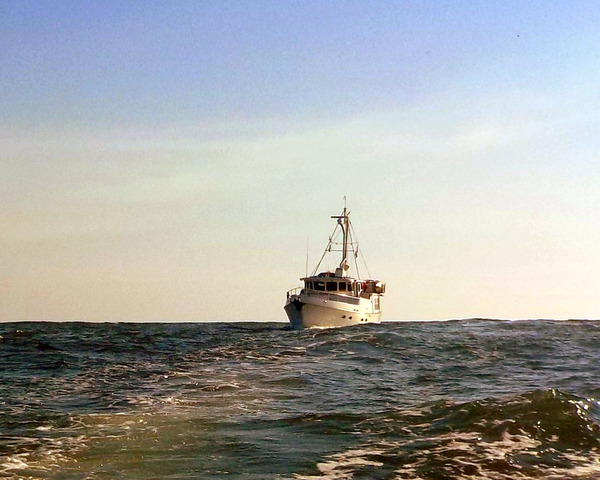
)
(320, 286)
(332, 286)
(342, 286)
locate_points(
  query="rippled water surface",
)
(461, 399)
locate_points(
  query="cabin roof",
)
(328, 276)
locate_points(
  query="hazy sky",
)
(168, 160)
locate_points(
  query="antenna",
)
(306, 257)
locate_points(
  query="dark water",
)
(464, 399)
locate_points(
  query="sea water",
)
(441, 400)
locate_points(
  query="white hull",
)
(305, 311)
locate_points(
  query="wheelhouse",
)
(326, 282)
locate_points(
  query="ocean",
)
(472, 399)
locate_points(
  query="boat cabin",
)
(329, 282)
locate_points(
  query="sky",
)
(170, 161)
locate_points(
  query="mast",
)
(343, 221)
(345, 238)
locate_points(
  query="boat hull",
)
(308, 315)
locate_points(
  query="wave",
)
(542, 434)
(463, 399)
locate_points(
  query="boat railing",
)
(294, 291)
(335, 297)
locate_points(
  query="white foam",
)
(462, 451)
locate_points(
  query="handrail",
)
(326, 296)
(293, 291)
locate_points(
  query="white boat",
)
(336, 299)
